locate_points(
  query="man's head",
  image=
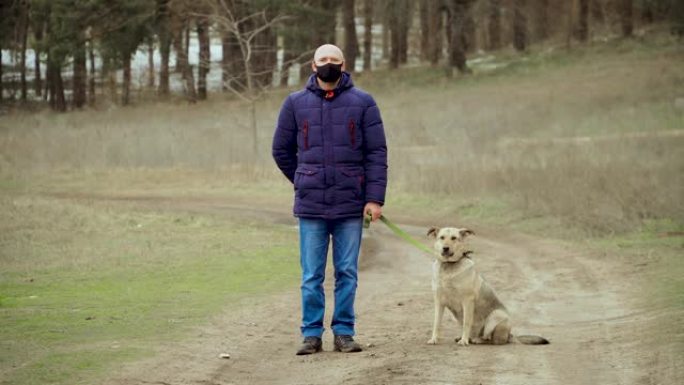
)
(328, 63)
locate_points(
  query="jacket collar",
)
(344, 84)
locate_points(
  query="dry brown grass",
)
(458, 138)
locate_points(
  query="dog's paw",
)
(463, 342)
(432, 341)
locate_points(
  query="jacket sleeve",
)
(284, 148)
(375, 154)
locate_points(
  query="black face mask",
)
(329, 73)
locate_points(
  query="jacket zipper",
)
(352, 132)
(305, 131)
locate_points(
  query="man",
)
(330, 142)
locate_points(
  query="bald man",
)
(329, 142)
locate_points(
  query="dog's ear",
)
(465, 232)
(433, 232)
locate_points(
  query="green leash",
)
(399, 232)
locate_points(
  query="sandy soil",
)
(586, 304)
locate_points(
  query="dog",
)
(458, 287)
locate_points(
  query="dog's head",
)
(450, 243)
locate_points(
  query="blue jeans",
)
(314, 238)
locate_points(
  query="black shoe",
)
(310, 345)
(346, 344)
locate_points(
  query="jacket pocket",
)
(307, 178)
(354, 179)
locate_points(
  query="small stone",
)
(371, 345)
(400, 304)
(225, 356)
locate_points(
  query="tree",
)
(583, 21)
(367, 34)
(9, 14)
(431, 28)
(541, 21)
(627, 17)
(125, 28)
(37, 26)
(424, 13)
(161, 23)
(243, 26)
(180, 20)
(677, 18)
(204, 56)
(351, 42)
(399, 13)
(22, 35)
(519, 25)
(494, 25)
(458, 15)
(436, 27)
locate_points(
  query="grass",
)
(87, 286)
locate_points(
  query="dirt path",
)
(581, 302)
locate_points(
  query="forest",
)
(71, 54)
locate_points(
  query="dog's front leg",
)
(439, 312)
(468, 313)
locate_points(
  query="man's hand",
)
(373, 208)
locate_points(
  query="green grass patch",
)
(86, 286)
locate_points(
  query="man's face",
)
(327, 54)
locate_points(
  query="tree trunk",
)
(150, 65)
(367, 34)
(56, 86)
(626, 17)
(2, 91)
(351, 41)
(425, 35)
(583, 21)
(457, 18)
(37, 78)
(435, 31)
(126, 91)
(91, 78)
(393, 25)
(204, 57)
(79, 77)
(183, 65)
(24, 27)
(386, 32)
(405, 19)
(570, 24)
(542, 19)
(165, 53)
(225, 60)
(597, 12)
(519, 25)
(164, 33)
(399, 17)
(264, 57)
(469, 33)
(494, 24)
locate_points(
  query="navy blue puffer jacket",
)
(331, 145)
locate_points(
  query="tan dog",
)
(458, 287)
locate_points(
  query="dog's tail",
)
(529, 340)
